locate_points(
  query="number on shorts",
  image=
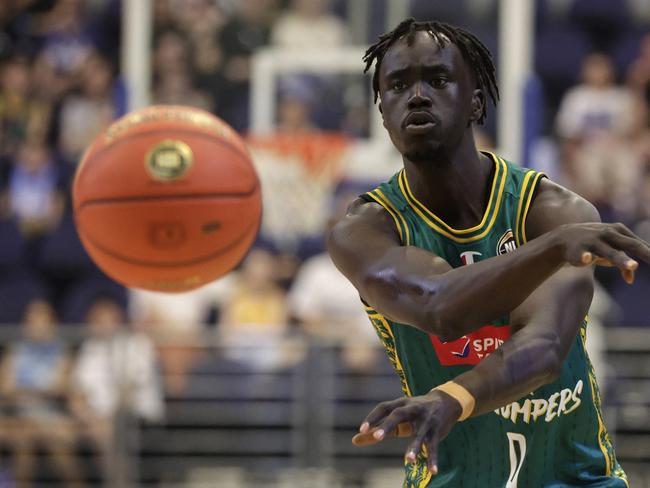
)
(516, 461)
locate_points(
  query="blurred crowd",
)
(60, 86)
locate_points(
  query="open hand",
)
(427, 418)
(603, 245)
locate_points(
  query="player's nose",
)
(419, 98)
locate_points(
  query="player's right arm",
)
(414, 286)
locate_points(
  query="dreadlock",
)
(478, 56)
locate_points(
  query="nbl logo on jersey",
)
(506, 243)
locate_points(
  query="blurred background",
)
(261, 378)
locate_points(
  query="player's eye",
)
(397, 85)
(439, 82)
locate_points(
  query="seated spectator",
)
(296, 106)
(34, 392)
(115, 374)
(176, 323)
(33, 195)
(308, 24)
(201, 21)
(173, 77)
(248, 30)
(21, 116)
(67, 39)
(86, 113)
(254, 322)
(176, 88)
(615, 187)
(329, 308)
(596, 105)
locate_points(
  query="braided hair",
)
(477, 56)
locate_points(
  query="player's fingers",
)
(623, 230)
(431, 443)
(396, 417)
(403, 429)
(415, 445)
(603, 262)
(365, 439)
(588, 258)
(628, 276)
(379, 412)
(618, 258)
(633, 245)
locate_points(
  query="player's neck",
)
(455, 186)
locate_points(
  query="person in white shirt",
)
(115, 377)
(309, 25)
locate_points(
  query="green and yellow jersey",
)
(553, 437)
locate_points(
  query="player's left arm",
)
(544, 325)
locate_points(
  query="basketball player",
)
(477, 275)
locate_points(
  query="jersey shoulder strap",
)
(522, 185)
(388, 196)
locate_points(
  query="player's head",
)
(432, 80)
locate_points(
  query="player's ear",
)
(478, 105)
(381, 111)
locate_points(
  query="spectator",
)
(87, 113)
(309, 25)
(638, 73)
(595, 106)
(115, 374)
(615, 187)
(34, 387)
(201, 21)
(295, 107)
(175, 88)
(248, 30)
(67, 40)
(176, 323)
(173, 76)
(171, 53)
(254, 322)
(20, 115)
(33, 195)
(329, 308)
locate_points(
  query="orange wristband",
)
(461, 395)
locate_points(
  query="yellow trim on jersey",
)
(603, 436)
(500, 177)
(601, 430)
(377, 199)
(388, 205)
(497, 171)
(527, 207)
(522, 193)
(389, 329)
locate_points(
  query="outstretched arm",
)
(544, 325)
(415, 287)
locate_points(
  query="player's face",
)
(428, 97)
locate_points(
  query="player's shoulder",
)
(553, 196)
(363, 219)
(364, 211)
(554, 205)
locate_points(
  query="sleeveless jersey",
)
(553, 437)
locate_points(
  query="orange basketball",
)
(167, 199)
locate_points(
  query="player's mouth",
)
(419, 122)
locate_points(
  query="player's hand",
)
(427, 418)
(602, 245)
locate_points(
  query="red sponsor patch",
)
(471, 348)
